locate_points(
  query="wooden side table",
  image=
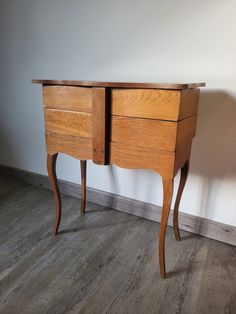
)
(132, 125)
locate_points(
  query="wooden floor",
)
(103, 262)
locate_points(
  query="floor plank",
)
(103, 262)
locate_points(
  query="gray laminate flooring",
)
(103, 262)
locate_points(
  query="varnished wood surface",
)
(68, 98)
(155, 134)
(135, 157)
(159, 104)
(182, 182)
(83, 170)
(75, 146)
(68, 122)
(99, 126)
(51, 167)
(103, 262)
(120, 84)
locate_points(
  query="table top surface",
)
(120, 84)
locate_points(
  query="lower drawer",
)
(74, 146)
(165, 163)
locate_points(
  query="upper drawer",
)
(171, 105)
(68, 98)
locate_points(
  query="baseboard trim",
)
(201, 226)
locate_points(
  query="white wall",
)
(125, 40)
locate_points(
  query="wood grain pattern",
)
(120, 84)
(146, 103)
(186, 130)
(155, 134)
(144, 132)
(78, 147)
(68, 122)
(189, 102)
(99, 126)
(68, 98)
(181, 156)
(134, 157)
(51, 167)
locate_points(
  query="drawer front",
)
(68, 98)
(78, 147)
(146, 103)
(133, 157)
(170, 105)
(144, 132)
(68, 122)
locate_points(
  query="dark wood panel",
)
(99, 126)
(120, 84)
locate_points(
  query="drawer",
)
(171, 105)
(78, 147)
(133, 157)
(154, 134)
(68, 122)
(68, 98)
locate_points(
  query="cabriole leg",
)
(51, 166)
(183, 179)
(168, 184)
(83, 166)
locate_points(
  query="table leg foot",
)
(51, 167)
(83, 166)
(168, 184)
(183, 179)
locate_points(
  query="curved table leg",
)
(51, 166)
(83, 166)
(183, 179)
(168, 184)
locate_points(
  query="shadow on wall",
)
(214, 147)
(8, 155)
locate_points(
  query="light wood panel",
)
(146, 103)
(189, 103)
(155, 134)
(68, 98)
(134, 157)
(74, 146)
(144, 132)
(186, 130)
(68, 122)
